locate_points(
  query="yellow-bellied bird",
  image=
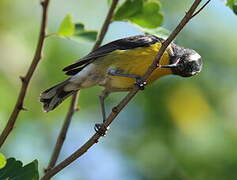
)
(118, 65)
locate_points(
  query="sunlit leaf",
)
(233, 5)
(67, 27)
(145, 13)
(3, 161)
(128, 9)
(14, 170)
(150, 16)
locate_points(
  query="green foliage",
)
(145, 13)
(69, 29)
(15, 170)
(2, 161)
(81, 33)
(233, 5)
(128, 9)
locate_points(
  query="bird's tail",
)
(54, 96)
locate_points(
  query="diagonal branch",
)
(26, 79)
(63, 132)
(201, 8)
(73, 106)
(115, 111)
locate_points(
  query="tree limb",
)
(63, 132)
(73, 106)
(115, 111)
(26, 79)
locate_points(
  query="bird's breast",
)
(136, 62)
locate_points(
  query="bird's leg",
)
(141, 84)
(100, 128)
(104, 94)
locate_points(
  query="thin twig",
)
(26, 79)
(201, 8)
(73, 106)
(115, 111)
(63, 133)
(106, 24)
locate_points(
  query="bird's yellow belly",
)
(135, 62)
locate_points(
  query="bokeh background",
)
(176, 129)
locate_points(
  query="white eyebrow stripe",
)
(194, 57)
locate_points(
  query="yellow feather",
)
(134, 61)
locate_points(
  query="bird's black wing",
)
(121, 44)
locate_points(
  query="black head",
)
(185, 63)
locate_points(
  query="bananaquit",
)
(118, 65)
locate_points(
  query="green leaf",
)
(3, 161)
(82, 34)
(145, 13)
(150, 16)
(86, 35)
(79, 27)
(67, 27)
(14, 170)
(128, 9)
(233, 5)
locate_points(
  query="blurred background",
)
(176, 129)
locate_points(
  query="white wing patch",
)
(89, 76)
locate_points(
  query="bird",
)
(119, 65)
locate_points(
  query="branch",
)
(63, 132)
(115, 111)
(73, 106)
(201, 8)
(26, 79)
(105, 26)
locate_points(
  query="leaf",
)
(67, 27)
(15, 170)
(86, 35)
(79, 27)
(160, 32)
(128, 9)
(150, 16)
(233, 5)
(81, 33)
(145, 13)
(2, 161)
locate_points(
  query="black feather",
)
(74, 71)
(120, 44)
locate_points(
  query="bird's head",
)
(185, 62)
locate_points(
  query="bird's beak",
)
(174, 65)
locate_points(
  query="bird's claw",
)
(141, 84)
(101, 129)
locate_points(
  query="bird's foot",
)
(101, 129)
(140, 83)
